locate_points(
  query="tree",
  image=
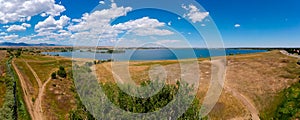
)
(53, 75)
(62, 72)
(18, 53)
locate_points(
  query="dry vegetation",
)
(28, 76)
(58, 98)
(259, 77)
(2, 74)
(139, 73)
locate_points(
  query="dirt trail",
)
(35, 109)
(32, 111)
(247, 102)
(251, 108)
(289, 54)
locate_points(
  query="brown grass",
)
(44, 69)
(260, 77)
(58, 99)
(139, 73)
(28, 77)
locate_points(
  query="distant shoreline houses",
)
(293, 50)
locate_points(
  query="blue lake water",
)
(155, 54)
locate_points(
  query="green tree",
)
(53, 75)
(62, 72)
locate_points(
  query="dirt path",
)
(247, 102)
(35, 109)
(251, 108)
(288, 54)
(32, 111)
(37, 103)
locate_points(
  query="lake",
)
(154, 54)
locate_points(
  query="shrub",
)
(62, 72)
(53, 75)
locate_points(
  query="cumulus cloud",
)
(237, 25)
(50, 24)
(102, 2)
(88, 28)
(11, 37)
(96, 25)
(143, 27)
(76, 20)
(3, 33)
(23, 10)
(194, 13)
(14, 28)
(26, 25)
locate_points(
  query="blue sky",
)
(241, 23)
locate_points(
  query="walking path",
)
(35, 109)
(245, 101)
(289, 54)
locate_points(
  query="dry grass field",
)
(57, 99)
(254, 80)
(259, 78)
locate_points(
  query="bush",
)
(53, 75)
(290, 106)
(62, 72)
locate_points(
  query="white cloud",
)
(43, 14)
(50, 24)
(203, 25)
(143, 27)
(3, 33)
(23, 10)
(14, 28)
(170, 23)
(26, 25)
(5, 26)
(237, 25)
(96, 25)
(76, 20)
(11, 37)
(194, 13)
(102, 2)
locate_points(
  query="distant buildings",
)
(293, 50)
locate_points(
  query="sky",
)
(234, 23)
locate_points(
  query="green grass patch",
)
(289, 109)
